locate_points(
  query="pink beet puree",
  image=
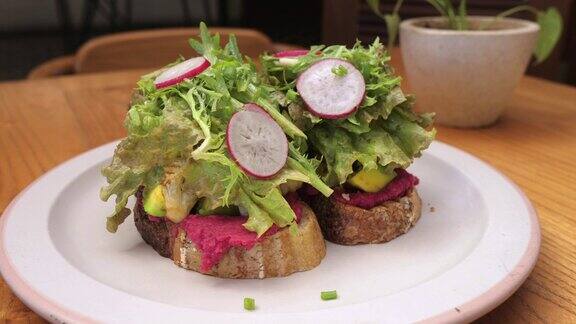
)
(214, 235)
(397, 188)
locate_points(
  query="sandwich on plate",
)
(361, 126)
(214, 166)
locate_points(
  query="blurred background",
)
(43, 38)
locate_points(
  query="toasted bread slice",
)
(351, 225)
(277, 255)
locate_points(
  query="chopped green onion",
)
(328, 295)
(249, 304)
(339, 70)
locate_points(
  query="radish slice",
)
(328, 95)
(256, 142)
(181, 71)
(291, 53)
(289, 58)
(254, 107)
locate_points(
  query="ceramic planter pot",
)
(466, 77)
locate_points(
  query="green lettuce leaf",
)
(139, 159)
(342, 150)
(259, 220)
(382, 86)
(384, 132)
(176, 138)
(410, 136)
(276, 206)
(219, 181)
(297, 161)
(391, 143)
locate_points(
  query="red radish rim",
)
(291, 53)
(332, 116)
(187, 75)
(255, 108)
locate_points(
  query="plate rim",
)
(468, 311)
(507, 286)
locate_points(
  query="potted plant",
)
(463, 67)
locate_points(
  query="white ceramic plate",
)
(477, 241)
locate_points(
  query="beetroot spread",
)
(214, 235)
(402, 183)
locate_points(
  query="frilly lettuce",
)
(176, 138)
(384, 132)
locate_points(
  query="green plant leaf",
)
(392, 20)
(375, 6)
(446, 10)
(454, 23)
(462, 15)
(392, 23)
(438, 5)
(550, 22)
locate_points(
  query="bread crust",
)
(350, 225)
(277, 255)
(156, 234)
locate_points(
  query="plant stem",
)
(507, 13)
(451, 17)
(446, 10)
(462, 15)
(397, 7)
(438, 6)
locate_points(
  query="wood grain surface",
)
(45, 122)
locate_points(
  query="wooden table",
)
(45, 122)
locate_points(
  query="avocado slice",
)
(371, 180)
(154, 202)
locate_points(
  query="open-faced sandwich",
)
(362, 127)
(214, 166)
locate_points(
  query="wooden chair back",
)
(156, 48)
